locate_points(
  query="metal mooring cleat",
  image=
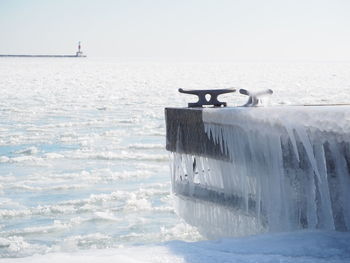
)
(254, 97)
(207, 97)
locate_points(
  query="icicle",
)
(308, 148)
(344, 182)
(327, 221)
(290, 131)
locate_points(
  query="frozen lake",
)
(83, 168)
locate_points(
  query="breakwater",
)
(43, 56)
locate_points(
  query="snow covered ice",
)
(84, 173)
(305, 246)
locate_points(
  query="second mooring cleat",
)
(255, 97)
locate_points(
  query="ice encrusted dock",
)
(238, 171)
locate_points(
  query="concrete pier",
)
(280, 168)
(185, 133)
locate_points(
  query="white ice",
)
(293, 247)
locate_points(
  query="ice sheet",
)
(303, 246)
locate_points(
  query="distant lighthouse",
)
(79, 52)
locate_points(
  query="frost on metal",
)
(287, 169)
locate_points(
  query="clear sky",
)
(182, 29)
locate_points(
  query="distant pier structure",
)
(78, 54)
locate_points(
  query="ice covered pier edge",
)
(238, 171)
